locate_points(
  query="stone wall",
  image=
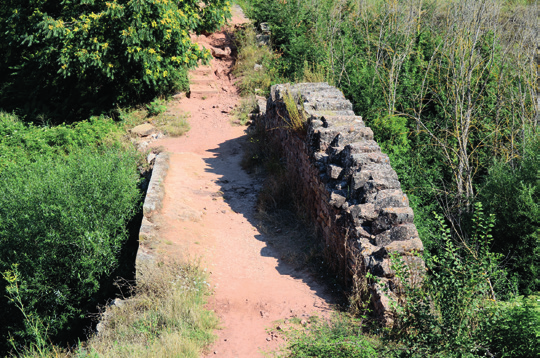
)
(348, 187)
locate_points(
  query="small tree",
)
(451, 313)
(74, 53)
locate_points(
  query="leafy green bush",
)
(73, 58)
(514, 328)
(512, 193)
(63, 220)
(156, 107)
(339, 338)
(454, 312)
(23, 143)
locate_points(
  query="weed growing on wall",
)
(296, 119)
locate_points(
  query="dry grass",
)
(296, 118)
(247, 105)
(172, 125)
(252, 79)
(165, 316)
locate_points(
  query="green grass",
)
(252, 81)
(339, 337)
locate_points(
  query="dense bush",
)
(63, 220)
(455, 311)
(72, 58)
(512, 193)
(337, 338)
(23, 143)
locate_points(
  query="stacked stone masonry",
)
(348, 187)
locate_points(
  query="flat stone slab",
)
(154, 195)
(143, 130)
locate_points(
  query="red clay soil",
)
(208, 215)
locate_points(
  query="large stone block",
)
(396, 233)
(392, 216)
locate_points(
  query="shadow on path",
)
(289, 242)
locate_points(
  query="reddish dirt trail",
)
(208, 214)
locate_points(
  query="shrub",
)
(74, 58)
(23, 143)
(339, 338)
(514, 328)
(156, 107)
(63, 220)
(455, 312)
(512, 193)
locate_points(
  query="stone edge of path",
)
(152, 204)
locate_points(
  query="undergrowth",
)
(164, 316)
(341, 336)
(155, 113)
(253, 79)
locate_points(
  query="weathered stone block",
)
(364, 211)
(396, 233)
(406, 247)
(387, 198)
(337, 199)
(389, 217)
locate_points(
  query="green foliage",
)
(33, 324)
(22, 143)
(339, 338)
(156, 107)
(63, 220)
(393, 134)
(512, 193)
(514, 330)
(253, 80)
(72, 58)
(454, 312)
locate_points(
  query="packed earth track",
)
(208, 216)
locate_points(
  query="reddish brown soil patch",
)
(208, 214)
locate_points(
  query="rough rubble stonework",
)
(348, 187)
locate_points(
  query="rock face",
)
(349, 189)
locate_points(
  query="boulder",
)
(219, 53)
(143, 130)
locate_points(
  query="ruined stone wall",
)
(348, 187)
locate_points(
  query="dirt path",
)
(208, 214)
